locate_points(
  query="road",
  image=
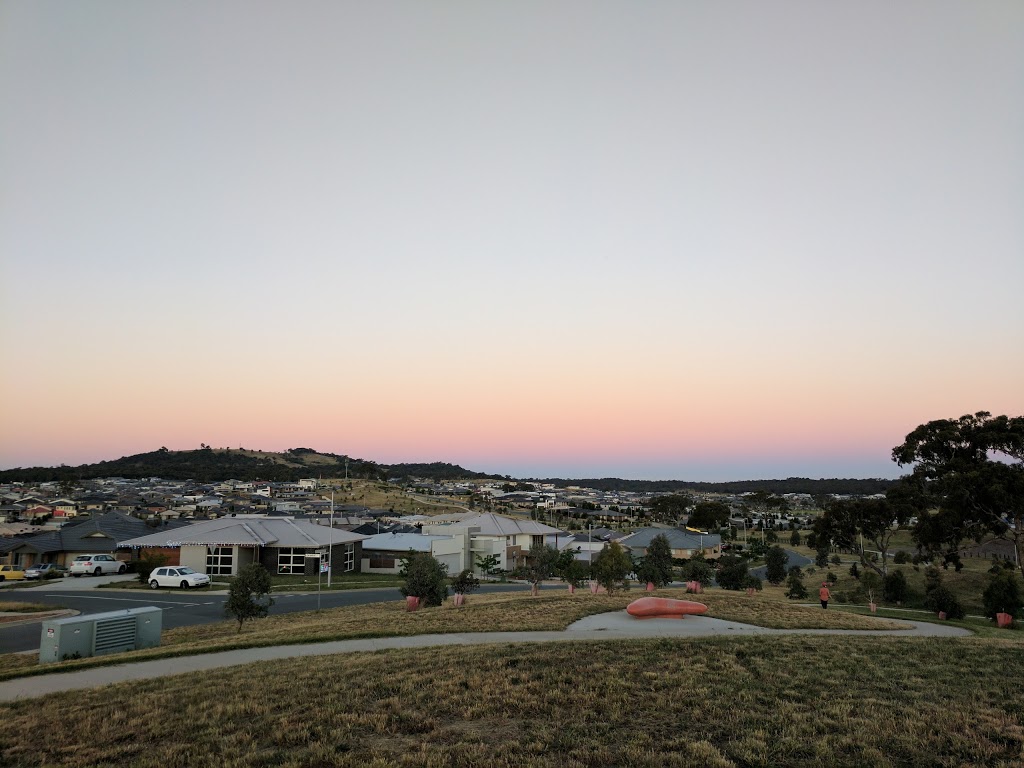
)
(187, 608)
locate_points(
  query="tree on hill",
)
(540, 564)
(1003, 593)
(709, 515)
(795, 584)
(425, 578)
(776, 560)
(246, 594)
(656, 566)
(732, 572)
(697, 568)
(972, 470)
(669, 509)
(844, 521)
(612, 567)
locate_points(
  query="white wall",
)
(194, 557)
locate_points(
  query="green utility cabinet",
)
(98, 633)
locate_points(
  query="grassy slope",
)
(490, 613)
(739, 701)
(383, 496)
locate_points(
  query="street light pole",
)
(330, 545)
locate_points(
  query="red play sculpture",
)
(664, 608)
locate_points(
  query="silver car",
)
(45, 571)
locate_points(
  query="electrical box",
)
(98, 633)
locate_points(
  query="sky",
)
(659, 240)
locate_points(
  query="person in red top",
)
(824, 595)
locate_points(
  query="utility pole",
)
(330, 546)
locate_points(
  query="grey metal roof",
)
(247, 531)
(677, 539)
(497, 525)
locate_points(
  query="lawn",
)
(288, 583)
(794, 701)
(550, 611)
(968, 585)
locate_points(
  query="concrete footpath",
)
(608, 626)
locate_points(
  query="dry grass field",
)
(517, 612)
(753, 701)
(377, 495)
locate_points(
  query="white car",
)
(96, 564)
(177, 576)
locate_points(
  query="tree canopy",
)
(671, 508)
(709, 515)
(246, 594)
(971, 470)
(656, 566)
(877, 520)
(612, 566)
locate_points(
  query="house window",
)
(538, 541)
(377, 560)
(291, 560)
(219, 560)
(350, 558)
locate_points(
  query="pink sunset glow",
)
(530, 251)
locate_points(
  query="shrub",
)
(697, 568)
(894, 587)
(835, 560)
(574, 572)
(901, 557)
(871, 585)
(1003, 594)
(855, 571)
(794, 538)
(941, 599)
(732, 573)
(246, 592)
(426, 579)
(831, 578)
(795, 582)
(147, 562)
(752, 582)
(821, 557)
(465, 583)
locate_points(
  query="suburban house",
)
(64, 508)
(591, 542)
(507, 538)
(221, 547)
(383, 552)
(684, 544)
(95, 535)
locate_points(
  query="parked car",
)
(177, 576)
(11, 573)
(96, 564)
(45, 571)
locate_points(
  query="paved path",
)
(617, 626)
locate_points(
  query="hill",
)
(210, 464)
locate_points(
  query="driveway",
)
(71, 584)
